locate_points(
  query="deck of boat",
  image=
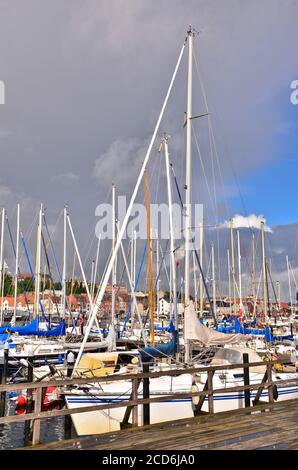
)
(237, 429)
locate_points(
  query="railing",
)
(132, 404)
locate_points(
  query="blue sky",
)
(271, 189)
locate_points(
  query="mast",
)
(38, 261)
(239, 270)
(233, 266)
(264, 270)
(213, 281)
(131, 258)
(1, 260)
(253, 268)
(134, 256)
(151, 298)
(16, 267)
(173, 287)
(64, 264)
(201, 276)
(157, 278)
(229, 279)
(187, 217)
(113, 248)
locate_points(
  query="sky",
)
(84, 84)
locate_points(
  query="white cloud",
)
(251, 221)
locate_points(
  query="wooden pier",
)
(271, 424)
(233, 430)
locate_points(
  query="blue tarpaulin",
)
(166, 349)
(32, 329)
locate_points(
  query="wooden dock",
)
(241, 429)
(271, 424)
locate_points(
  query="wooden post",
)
(36, 422)
(70, 359)
(30, 360)
(270, 387)
(135, 386)
(246, 380)
(210, 395)
(146, 394)
(198, 407)
(3, 379)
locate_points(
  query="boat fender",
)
(275, 392)
(195, 400)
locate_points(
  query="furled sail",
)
(194, 330)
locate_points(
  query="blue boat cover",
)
(32, 329)
(166, 349)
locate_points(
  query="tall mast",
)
(134, 256)
(151, 299)
(264, 270)
(64, 263)
(131, 258)
(201, 277)
(16, 267)
(157, 274)
(187, 217)
(173, 287)
(38, 261)
(1, 259)
(233, 266)
(113, 247)
(229, 279)
(213, 281)
(253, 268)
(239, 270)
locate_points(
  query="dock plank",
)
(276, 428)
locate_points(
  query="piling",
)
(246, 381)
(146, 394)
(30, 360)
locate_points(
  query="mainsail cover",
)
(195, 331)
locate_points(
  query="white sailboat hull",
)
(98, 422)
